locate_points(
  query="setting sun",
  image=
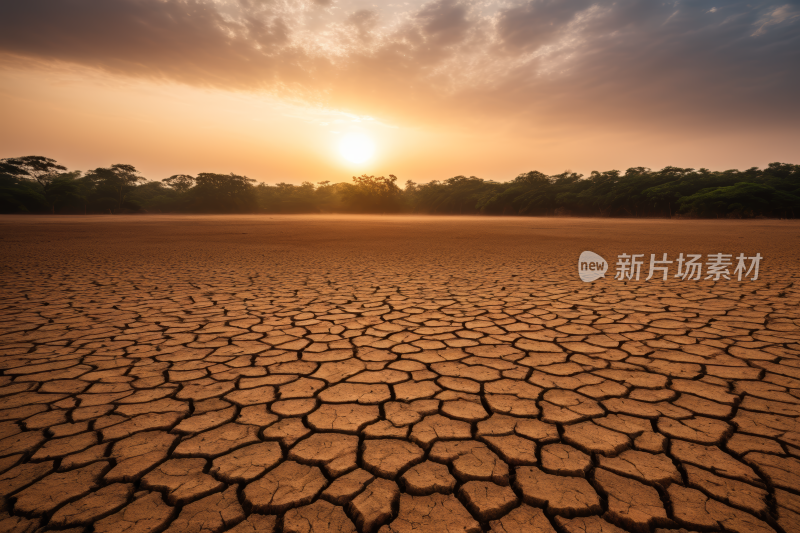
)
(356, 148)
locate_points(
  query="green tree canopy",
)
(119, 178)
(38, 184)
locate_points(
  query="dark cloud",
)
(536, 23)
(537, 62)
(444, 22)
(268, 33)
(364, 20)
(189, 41)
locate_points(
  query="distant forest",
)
(36, 184)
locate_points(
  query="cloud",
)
(779, 15)
(443, 23)
(537, 22)
(533, 63)
(364, 21)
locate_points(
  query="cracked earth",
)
(393, 375)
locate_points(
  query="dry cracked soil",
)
(393, 375)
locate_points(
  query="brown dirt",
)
(333, 373)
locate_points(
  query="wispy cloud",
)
(774, 17)
(441, 59)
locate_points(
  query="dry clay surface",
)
(393, 374)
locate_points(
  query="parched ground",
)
(393, 374)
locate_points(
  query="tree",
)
(180, 182)
(37, 184)
(225, 193)
(372, 194)
(120, 178)
(63, 189)
(41, 169)
(155, 196)
(86, 186)
(740, 200)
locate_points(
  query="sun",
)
(357, 148)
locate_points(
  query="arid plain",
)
(394, 374)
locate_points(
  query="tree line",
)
(36, 184)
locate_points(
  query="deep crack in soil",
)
(393, 374)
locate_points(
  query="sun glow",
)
(357, 148)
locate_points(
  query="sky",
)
(287, 91)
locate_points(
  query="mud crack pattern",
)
(311, 374)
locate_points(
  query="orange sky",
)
(269, 88)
